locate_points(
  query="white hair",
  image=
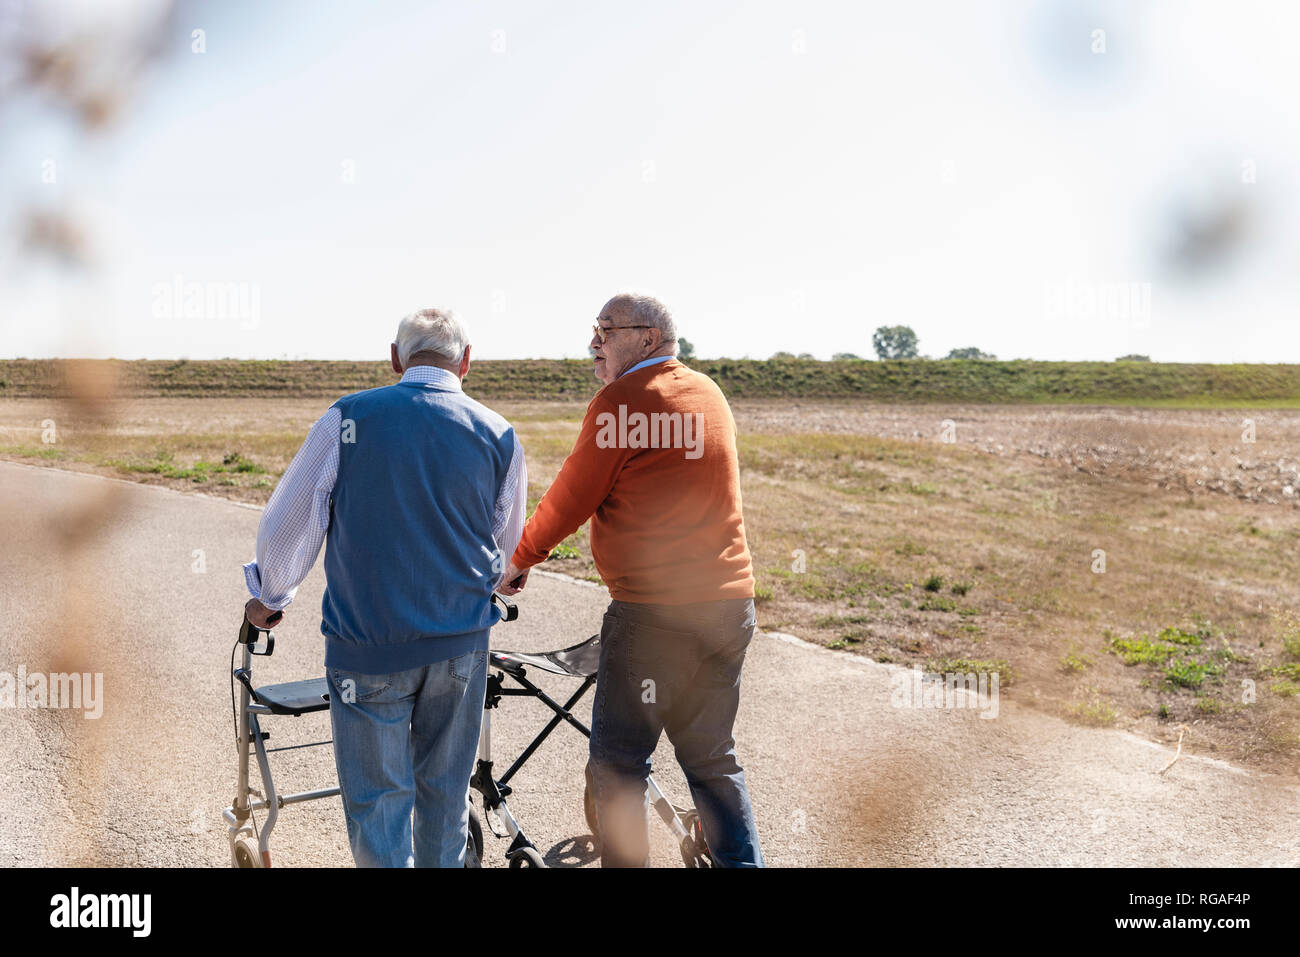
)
(438, 331)
(649, 311)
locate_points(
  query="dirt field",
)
(1136, 568)
(1249, 454)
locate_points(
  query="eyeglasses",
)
(602, 333)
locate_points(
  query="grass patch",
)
(1145, 650)
(834, 621)
(1289, 671)
(1141, 651)
(1176, 636)
(1076, 663)
(163, 464)
(990, 666)
(1291, 636)
(234, 462)
(565, 550)
(845, 641)
(1170, 650)
(839, 584)
(1095, 710)
(1190, 674)
(47, 452)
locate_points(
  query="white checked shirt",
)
(293, 526)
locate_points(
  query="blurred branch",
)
(85, 59)
(83, 62)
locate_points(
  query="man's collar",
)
(647, 362)
(432, 375)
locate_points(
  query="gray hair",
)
(649, 311)
(438, 331)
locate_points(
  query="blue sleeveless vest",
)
(409, 553)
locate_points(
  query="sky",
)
(1048, 180)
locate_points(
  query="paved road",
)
(143, 585)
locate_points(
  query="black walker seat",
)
(294, 697)
(579, 661)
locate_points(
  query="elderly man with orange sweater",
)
(655, 469)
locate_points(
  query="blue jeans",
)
(673, 669)
(403, 743)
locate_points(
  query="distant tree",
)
(970, 353)
(806, 355)
(684, 348)
(783, 355)
(843, 356)
(894, 342)
(1134, 357)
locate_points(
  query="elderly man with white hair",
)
(656, 471)
(418, 493)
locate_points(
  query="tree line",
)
(901, 342)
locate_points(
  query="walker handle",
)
(249, 634)
(509, 610)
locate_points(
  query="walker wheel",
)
(474, 846)
(695, 850)
(526, 857)
(246, 852)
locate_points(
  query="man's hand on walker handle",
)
(514, 581)
(261, 616)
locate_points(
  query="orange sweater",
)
(656, 471)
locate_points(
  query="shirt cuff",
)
(253, 579)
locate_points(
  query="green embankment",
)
(918, 380)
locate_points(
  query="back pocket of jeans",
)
(353, 686)
(662, 656)
(464, 667)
